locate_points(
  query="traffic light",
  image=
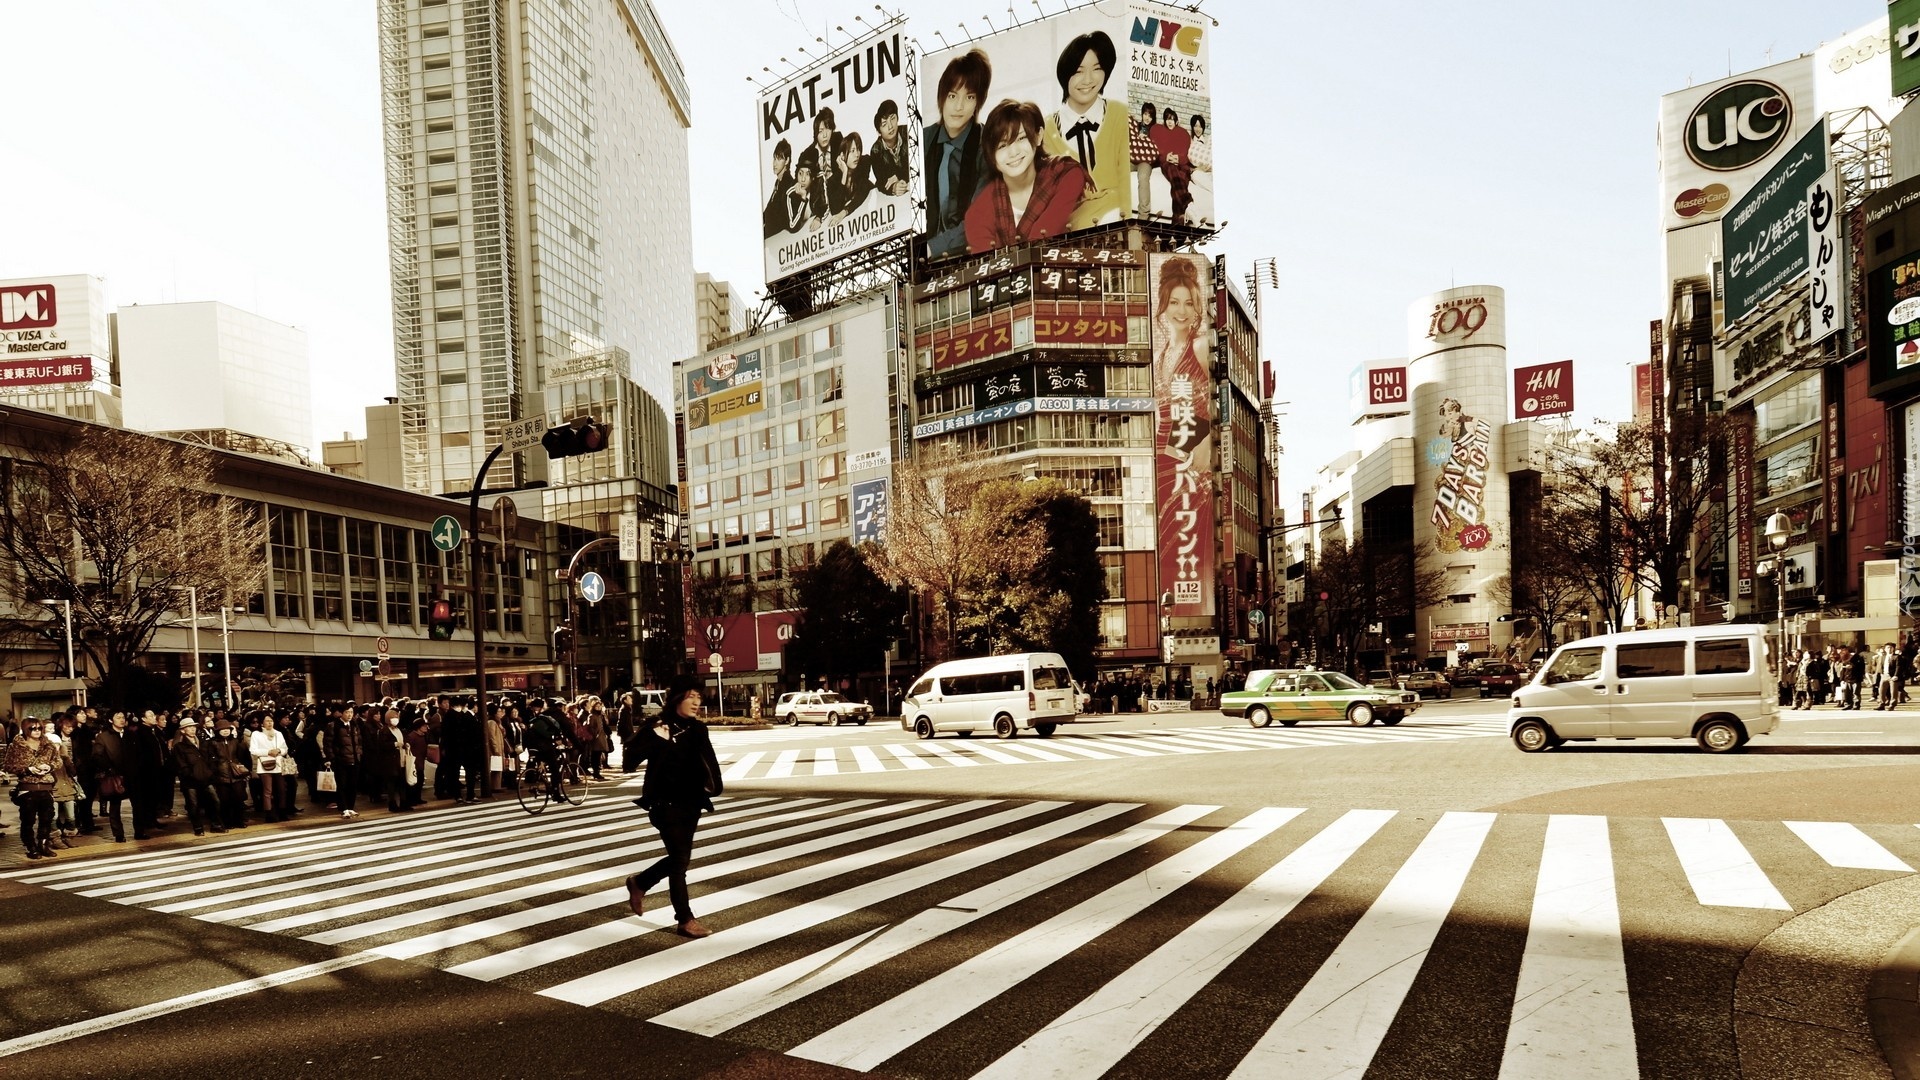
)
(582, 436)
(440, 621)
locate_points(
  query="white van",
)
(1001, 694)
(1711, 684)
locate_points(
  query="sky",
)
(230, 150)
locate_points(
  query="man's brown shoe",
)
(635, 896)
(692, 928)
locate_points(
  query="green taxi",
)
(1291, 695)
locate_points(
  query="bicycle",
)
(556, 780)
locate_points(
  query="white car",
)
(821, 707)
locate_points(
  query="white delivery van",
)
(1001, 694)
(1711, 684)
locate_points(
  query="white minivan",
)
(1711, 684)
(1001, 694)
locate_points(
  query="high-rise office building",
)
(539, 216)
(208, 367)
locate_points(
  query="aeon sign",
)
(1737, 125)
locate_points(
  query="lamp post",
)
(193, 615)
(1268, 532)
(1778, 528)
(66, 609)
(1166, 641)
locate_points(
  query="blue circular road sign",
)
(592, 587)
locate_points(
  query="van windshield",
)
(1051, 678)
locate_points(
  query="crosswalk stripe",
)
(1571, 1013)
(1043, 753)
(868, 760)
(951, 757)
(729, 1008)
(773, 828)
(656, 967)
(994, 753)
(1094, 1035)
(1846, 846)
(739, 769)
(1111, 741)
(905, 754)
(1335, 1024)
(867, 1040)
(1066, 745)
(826, 761)
(783, 765)
(511, 961)
(1719, 867)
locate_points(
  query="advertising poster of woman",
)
(1179, 288)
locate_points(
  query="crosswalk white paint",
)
(1075, 746)
(806, 895)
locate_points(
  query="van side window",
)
(1651, 659)
(1050, 678)
(985, 682)
(924, 686)
(1574, 665)
(1728, 656)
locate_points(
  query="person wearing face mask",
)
(35, 760)
(272, 762)
(112, 763)
(193, 762)
(682, 777)
(232, 767)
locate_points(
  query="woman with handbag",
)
(272, 761)
(113, 764)
(682, 777)
(35, 759)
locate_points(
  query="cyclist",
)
(547, 743)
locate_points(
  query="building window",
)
(436, 63)
(762, 482)
(799, 556)
(456, 438)
(766, 564)
(445, 188)
(797, 519)
(442, 220)
(831, 466)
(448, 315)
(731, 526)
(363, 572)
(439, 30)
(736, 566)
(327, 567)
(435, 127)
(440, 93)
(730, 489)
(702, 495)
(446, 283)
(452, 346)
(396, 550)
(289, 565)
(763, 523)
(833, 510)
(793, 390)
(1114, 569)
(796, 475)
(826, 385)
(447, 251)
(1108, 528)
(795, 432)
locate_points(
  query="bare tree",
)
(120, 525)
(1362, 585)
(938, 545)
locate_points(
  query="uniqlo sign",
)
(26, 307)
(1543, 390)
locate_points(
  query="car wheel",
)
(1259, 717)
(1718, 736)
(862, 722)
(791, 720)
(923, 728)
(1393, 719)
(1045, 730)
(1005, 728)
(1360, 714)
(833, 719)
(1532, 736)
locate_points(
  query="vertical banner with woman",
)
(1179, 288)
(1085, 118)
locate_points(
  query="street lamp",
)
(193, 614)
(1778, 528)
(66, 608)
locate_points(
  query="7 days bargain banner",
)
(1180, 290)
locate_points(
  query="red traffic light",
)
(582, 436)
(1323, 596)
(442, 611)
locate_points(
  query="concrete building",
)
(211, 367)
(375, 457)
(539, 213)
(718, 311)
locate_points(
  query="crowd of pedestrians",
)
(84, 770)
(1844, 677)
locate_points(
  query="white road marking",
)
(783, 765)
(1334, 1025)
(1571, 1013)
(867, 1040)
(1718, 866)
(1846, 846)
(867, 760)
(739, 769)
(908, 756)
(826, 761)
(1096, 1034)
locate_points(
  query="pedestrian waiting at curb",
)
(35, 759)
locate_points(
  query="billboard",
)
(1825, 309)
(1378, 389)
(53, 330)
(1094, 116)
(728, 386)
(1764, 234)
(835, 145)
(1180, 289)
(1904, 17)
(1716, 139)
(1543, 390)
(870, 511)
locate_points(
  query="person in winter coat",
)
(273, 766)
(344, 751)
(495, 737)
(35, 759)
(463, 752)
(192, 762)
(383, 744)
(66, 785)
(683, 775)
(147, 778)
(232, 766)
(80, 747)
(415, 764)
(113, 774)
(601, 744)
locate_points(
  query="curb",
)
(1893, 1006)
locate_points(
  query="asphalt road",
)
(1167, 894)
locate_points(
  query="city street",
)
(1146, 895)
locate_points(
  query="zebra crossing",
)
(834, 760)
(1018, 938)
